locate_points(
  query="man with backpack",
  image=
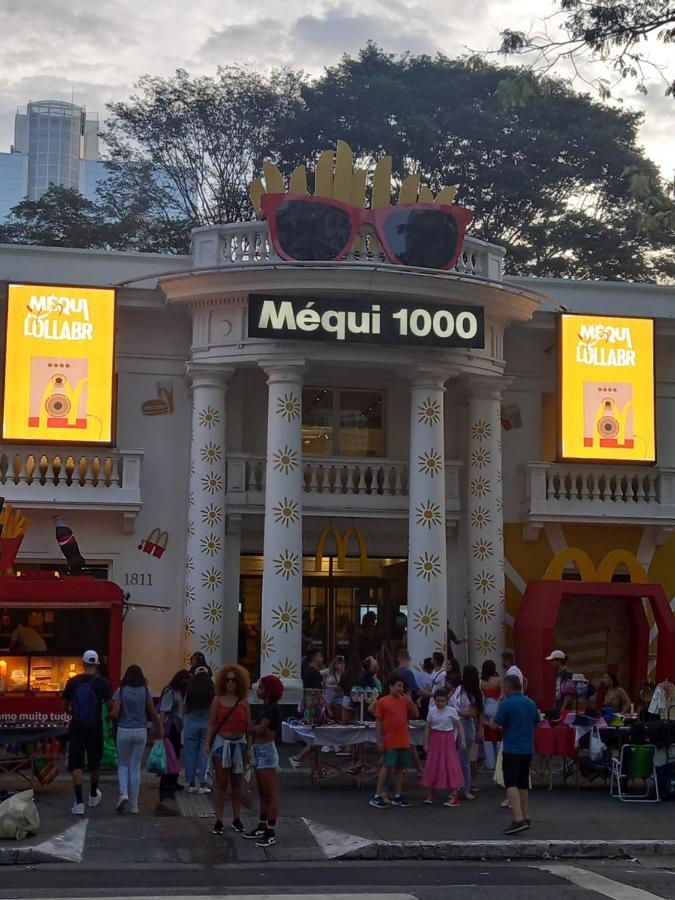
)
(84, 697)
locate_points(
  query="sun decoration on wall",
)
(212, 515)
(481, 430)
(212, 483)
(430, 462)
(429, 514)
(288, 407)
(213, 612)
(285, 617)
(441, 646)
(286, 512)
(352, 211)
(285, 459)
(211, 452)
(190, 595)
(480, 457)
(211, 544)
(189, 563)
(189, 627)
(484, 582)
(480, 487)
(212, 579)
(486, 643)
(209, 417)
(428, 566)
(482, 549)
(484, 612)
(425, 619)
(190, 529)
(287, 564)
(285, 668)
(480, 517)
(210, 642)
(266, 645)
(429, 412)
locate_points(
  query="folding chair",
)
(636, 761)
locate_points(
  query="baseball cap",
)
(557, 654)
(90, 657)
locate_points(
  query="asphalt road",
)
(409, 880)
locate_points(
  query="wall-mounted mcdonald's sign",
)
(605, 571)
(341, 544)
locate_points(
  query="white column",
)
(485, 612)
(427, 590)
(205, 553)
(281, 635)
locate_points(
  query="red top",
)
(393, 711)
(232, 721)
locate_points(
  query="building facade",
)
(309, 490)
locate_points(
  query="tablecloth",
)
(339, 735)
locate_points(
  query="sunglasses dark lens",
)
(312, 230)
(421, 237)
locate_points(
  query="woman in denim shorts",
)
(266, 759)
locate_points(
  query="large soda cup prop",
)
(155, 543)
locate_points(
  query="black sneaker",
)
(516, 827)
(400, 800)
(254, 833)
(238, 826)
(267, 840)
(218, 828)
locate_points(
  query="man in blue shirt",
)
(517, 716)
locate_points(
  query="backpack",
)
(85, 705)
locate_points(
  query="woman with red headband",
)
(266, 759)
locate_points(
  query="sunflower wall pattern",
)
(205, 555)
(427, 580)
(281, 639)
(485, 612)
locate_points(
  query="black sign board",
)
(352, 320)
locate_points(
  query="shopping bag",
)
(596, 745)
(157, 764)
(498, 776)
(172, 764)
(18, 817)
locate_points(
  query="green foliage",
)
(62, 217)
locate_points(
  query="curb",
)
(508, 850)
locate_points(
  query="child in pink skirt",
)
(443, 771)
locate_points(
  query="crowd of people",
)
(207, 717)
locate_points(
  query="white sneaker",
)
(294, 762)
(78, 809)
(204, 789)
(192, 789)
(133, 810)
(96, 799)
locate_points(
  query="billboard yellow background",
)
(58, 382)
(607, 388)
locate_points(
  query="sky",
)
(93, 53)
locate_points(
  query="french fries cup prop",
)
(13, 526)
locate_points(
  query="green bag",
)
(109, 758)
(157, 764)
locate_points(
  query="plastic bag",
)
(172, 763)
(595, 745)
(157, 764)
(18, 817)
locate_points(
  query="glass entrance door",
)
(342, 616)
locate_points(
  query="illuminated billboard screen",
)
(59, 348)
(607, 389)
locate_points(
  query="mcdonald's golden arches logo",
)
(587, 570)
(341, 544)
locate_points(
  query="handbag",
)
(172, 763)
(157, 762)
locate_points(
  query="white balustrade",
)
(248, 243)
(365, 484)
(80, 479)
(563, 491)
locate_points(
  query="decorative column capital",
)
(489, 386)
(279, 371)
(430, 376)
(206, 375)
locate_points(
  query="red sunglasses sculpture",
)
(327, 225)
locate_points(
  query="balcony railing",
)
(560, 492)
(91, 479)
(339, 486)
(248, 243)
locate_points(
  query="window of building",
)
(344, 422)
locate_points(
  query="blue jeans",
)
(194, 740)
(470, 734)
(130, 746)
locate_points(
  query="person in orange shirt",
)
(393, 739)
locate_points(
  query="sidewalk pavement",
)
(335, 821)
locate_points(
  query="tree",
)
(191, 146)
(548, 172)
(613, 31)
(61, 217)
